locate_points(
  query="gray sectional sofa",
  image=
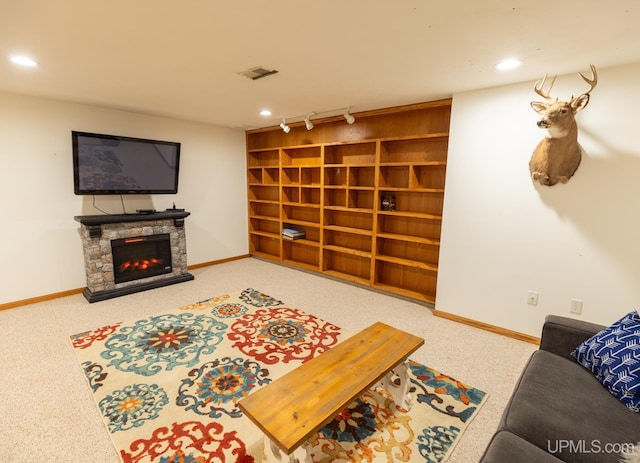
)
(559, 412)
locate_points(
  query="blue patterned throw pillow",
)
(613, 356)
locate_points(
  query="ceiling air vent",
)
(258, 72)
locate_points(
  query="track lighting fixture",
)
(345, 112)
(307, 121)
(348, 117)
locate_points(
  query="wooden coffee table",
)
(292, 408)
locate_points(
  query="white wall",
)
(40, 249)
(503, 236)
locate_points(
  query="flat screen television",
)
(114, 165)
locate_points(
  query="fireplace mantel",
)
(120, 218)
(94, 222)
(97, 233)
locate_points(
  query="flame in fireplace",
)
(139, 265)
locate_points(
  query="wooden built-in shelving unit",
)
(330, 182)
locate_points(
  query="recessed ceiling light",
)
(509, 63)
(265, 112)
(24, 61)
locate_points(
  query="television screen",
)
(110, 165)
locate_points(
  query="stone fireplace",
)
(127, 253)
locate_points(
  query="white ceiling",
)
(183, 58)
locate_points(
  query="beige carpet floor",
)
(47, 412)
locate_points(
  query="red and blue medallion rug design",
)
(167, 387)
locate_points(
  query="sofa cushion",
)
(561, 335)
(506, 447)
(613, 356)
(561, 408)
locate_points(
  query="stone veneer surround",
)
(98, 231)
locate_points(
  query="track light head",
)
(285, 128)
(348, 117)
(307, 121)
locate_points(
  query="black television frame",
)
(88, 192)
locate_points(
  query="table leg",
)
(273, 454)
(400, 387)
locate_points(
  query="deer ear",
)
(539, 107)
(579, 103)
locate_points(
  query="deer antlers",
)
(539, 86)
(593, 81)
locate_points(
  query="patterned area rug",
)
(167, 387)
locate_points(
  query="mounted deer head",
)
(558, 155)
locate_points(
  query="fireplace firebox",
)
(141, 257)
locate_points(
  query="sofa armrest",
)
(561, 335)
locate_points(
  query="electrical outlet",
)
(532, 298)
(576, 306)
